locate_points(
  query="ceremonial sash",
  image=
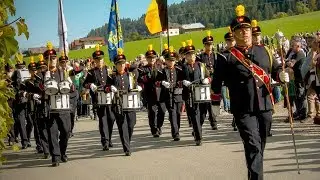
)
(258, 73)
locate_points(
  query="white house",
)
(172, 32)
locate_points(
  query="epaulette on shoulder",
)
(221, 55)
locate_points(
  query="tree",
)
(312, 5)
(280, 15)
(210, 26)
(8, 49)
(301, 8)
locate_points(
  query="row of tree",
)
(213, 14)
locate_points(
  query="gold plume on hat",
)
(229, 29)
(62, 54)
(240, 11)
(254, 23)
(40, 57)
(31, 59)
(49, 45)
(120, 51)
(183, 44)
(150, 47)
(189, 42)
(208, 33)
(97, 47)
(171, 49)
(165, 46)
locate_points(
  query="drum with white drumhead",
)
(51, 87)
(104, 98)
(59, 102)
(202, 94)
(23, 75)
(64, 87)
(131, 101)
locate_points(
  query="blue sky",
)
(81, 16)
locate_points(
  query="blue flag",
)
(114, 34)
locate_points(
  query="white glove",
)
(114, 89)
(186, 83)
(205, 81)
(165, 84)
(24, 94)
(139, 88)
(284, 77)
(36, 96)
(93, 87)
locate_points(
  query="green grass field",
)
(289, 26)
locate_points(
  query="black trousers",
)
(43, 134)
(301, 100)
(194, 114)
(204, 108)
(20, 123)
(32, 124)
(156, 112)
(59, 126)
(174, 117)
(253, 129)
(126, 123)
(106, 122)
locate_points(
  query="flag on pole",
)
(62, 29)
(114, 34)
(156, 17)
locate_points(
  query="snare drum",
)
(51, 87)
(59, 102)
(64, 87)
(131, 101)
(104, 98)
(202, 94)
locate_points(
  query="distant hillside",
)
(213, 14)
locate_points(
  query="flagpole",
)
(167, 16)
(116, 5)
(62, 28)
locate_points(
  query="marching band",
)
(47, 93)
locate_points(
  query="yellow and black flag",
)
(157, 16)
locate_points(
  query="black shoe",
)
(28, 144)
(214, 127)
(128, 153)
(192, 133)
(159, 131)
(16, 140)
(270, 134)
(177, 138)
(105, 148)
(190, 125)
(71, 135)
(24, 146)
(64, 158)
(46, 156)
(110, 144)
(156, 135)
(39, 150)
(235, 129)
(198, 142)
(55, 164)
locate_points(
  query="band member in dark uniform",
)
(209, 57)
(152, 92)
(245, 71)
(59, 122)
(20, 75)
(97, 79)
(9, 72)
(171, 79)
(230, 42)
(31, 106)
(256, 33)
(123, 82)
(41, 109)
(192, 74)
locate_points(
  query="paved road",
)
(220, 157)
